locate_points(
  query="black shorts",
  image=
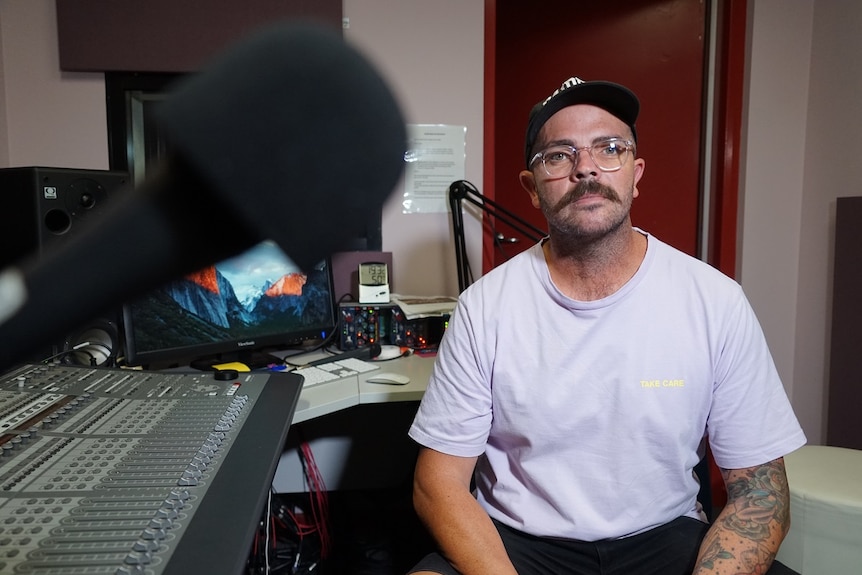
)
(667, 550)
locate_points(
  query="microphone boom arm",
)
(462, 190)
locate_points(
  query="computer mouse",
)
(389, 378)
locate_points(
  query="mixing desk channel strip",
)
(125, 472)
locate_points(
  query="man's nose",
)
(584, 165)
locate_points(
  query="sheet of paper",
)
(414, 307)
(434, 159)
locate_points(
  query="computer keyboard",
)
(334, 370)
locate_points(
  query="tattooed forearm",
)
(758, 497)
(748, 532)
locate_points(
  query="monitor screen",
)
(235, 310)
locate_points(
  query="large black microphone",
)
(291, 135)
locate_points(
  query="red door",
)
(655, 47)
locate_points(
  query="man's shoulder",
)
(678, 258)
(514, 267)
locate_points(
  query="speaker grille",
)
(47, 206)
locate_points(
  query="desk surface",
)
(329, 397)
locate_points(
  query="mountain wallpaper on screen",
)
(204, 307)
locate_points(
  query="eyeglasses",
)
(608, 155)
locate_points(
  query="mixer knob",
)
(169, 514)
(180, 494)
(161, 523)
(191, 473)
(138, 558)
(153, 534)
(210, 445)
(173, 504)
(145, 545)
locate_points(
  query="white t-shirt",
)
(589, 416)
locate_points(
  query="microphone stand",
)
(462, 190)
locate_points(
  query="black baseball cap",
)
(616, 99)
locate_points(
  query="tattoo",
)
(713, 553)
(753, 523)
(756, 501)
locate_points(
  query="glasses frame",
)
(576, 152)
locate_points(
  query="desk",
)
(330, 397)
(357, 430)
(825, 534)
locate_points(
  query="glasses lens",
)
(559, 161)
(609, 155)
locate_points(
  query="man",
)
(578, 383)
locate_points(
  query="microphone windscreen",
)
(291, 135)
(297, 132)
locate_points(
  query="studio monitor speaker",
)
(44, 208)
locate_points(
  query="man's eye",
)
(612, 148)
(558, 157)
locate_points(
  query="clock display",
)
(373, 274)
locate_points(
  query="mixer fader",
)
(117, 471)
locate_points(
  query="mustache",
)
(583, 188)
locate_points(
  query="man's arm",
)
(746, 535)
(462, 529)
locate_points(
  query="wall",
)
(433, 54)
(803, 91)
(832, 151)
(53, 118)
(803, 87)
(771, 202)
(433, 58)
(4, 129)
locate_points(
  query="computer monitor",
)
(235, 310)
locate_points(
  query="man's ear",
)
(640, 166)
(528, 182)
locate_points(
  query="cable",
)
(266, 541)
(74, 349)
(318, 496)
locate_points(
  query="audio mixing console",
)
(116, 471)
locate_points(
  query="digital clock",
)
(373, 282)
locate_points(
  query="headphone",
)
(97, 344)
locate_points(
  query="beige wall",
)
(803, 88)
(803, 94)
(53, 118)
(433, 54)
(777, 101)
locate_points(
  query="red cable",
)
(318, 498)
